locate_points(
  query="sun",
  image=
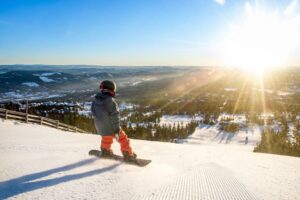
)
(261, 40)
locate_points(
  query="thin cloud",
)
(221, 2)
(291, 8)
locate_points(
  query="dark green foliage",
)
(149, 129)
(160, 133)
(277, 143)
(63, 113)
(74, 119)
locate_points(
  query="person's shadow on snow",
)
(25, 183)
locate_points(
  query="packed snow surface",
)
(46, 79)
(31, 84)
(39, 162)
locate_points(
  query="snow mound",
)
(39, 162)
(31, 84)
(46, 79)
(50, 73)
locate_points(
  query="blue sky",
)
(114, 32)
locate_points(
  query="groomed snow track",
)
(206, 182)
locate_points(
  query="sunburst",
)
(262, 39)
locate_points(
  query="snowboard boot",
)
(106, 152)
(129, 158)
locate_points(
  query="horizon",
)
(107, 66)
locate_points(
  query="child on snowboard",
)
(107, 121)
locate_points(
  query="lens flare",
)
(262, 40)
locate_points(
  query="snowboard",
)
(138, 162)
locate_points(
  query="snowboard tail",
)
(139, 162)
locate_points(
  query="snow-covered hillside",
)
(206, 134)
(38, 162)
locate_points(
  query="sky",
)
(123, 32)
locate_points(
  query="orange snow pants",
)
(107, 141)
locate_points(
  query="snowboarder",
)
(107, 121)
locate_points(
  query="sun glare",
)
(263, 40)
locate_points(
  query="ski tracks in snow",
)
(207, 182)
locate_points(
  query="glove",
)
(117, 136)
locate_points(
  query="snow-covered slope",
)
(38, 162)
(206, 134)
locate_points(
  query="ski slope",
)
(206, 134)
(39, 162)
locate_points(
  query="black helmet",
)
(108, 85)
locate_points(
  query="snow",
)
(291, 136)
(283, 93)
(206, 134)
(84, 113)
(126, 106)
(136, 83)
(39, 162)
(16, 96)
(45, 79)
(229, 89)
(92, 78)
(31, 84)
(266, 116)
(182, 120)
(86, 109)
(234, 118)
(13, 95)
(50, 73)
(149, 113)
